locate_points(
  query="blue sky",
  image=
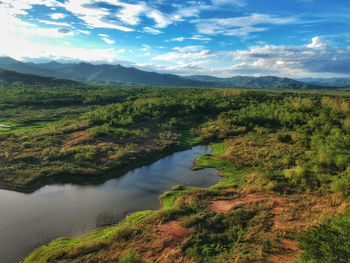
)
(291, 38)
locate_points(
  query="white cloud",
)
(316, 59)
(199, 37)
(175, 57)
(317, 42)
(238, 26)
(108, 41)
(93, 16)
(179, 39)
(145, 47)
(295, 61)
(83, 32)
(229, 2)
(54, 23)
(152, 31)
(20, 48)
(57, 16)
(188, 49)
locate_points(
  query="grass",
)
(168, 198)
(76, 247)
(233, 174)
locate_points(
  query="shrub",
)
(284, 137)
(328, 242)
(130, 257)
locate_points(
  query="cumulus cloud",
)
(316, 57)
(319, 58)
(317, 42)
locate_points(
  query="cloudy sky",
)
(292, 38)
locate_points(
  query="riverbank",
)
(31, 220)
(140, 157)
(241, 213)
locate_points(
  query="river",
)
(28, 221)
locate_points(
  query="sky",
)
(223, 38)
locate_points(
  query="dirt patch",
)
(175, 231)
(224, 206)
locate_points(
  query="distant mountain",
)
(327, 81)
(244, 81)
(10, 77)
(105, 73)
(112, 74)
(28, 68)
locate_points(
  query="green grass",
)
(100, 239)
(168, 198)
(232, 174)
(189, 139)
(137, 217)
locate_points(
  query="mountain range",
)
(116, 74)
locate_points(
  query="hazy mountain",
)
(10, 77)
(28, 68)
(244, 81)
(105, 73)
(327, 81)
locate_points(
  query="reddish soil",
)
(223, 206)
(175, 231)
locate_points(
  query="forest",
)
(284, 157)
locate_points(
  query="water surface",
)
(28, 221)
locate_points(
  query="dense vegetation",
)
(285, 159)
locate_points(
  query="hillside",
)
(257, 82)
(11, 77)
(327, 81)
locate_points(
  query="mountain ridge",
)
(118, 74)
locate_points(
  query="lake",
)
(28, 221)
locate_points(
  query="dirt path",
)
(224, 206)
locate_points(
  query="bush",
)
(284, 137)
(328, 242)
(130, 257)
